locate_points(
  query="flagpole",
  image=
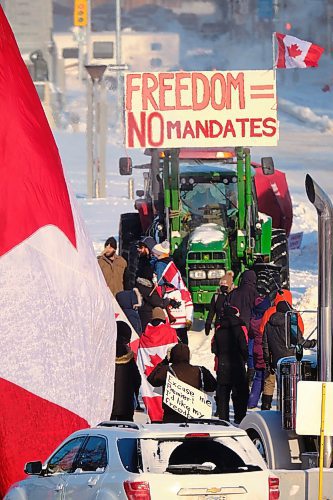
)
(274, 55)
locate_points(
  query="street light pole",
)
(118, 60)
(96, 131)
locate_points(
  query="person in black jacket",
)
(274, 347)
(130, 301)
(245, 295)
(150, 297)
(216, 306)
(127, 377)
(198, 377)
(230, 347)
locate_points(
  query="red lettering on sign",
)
(218, 128)
(171, 126)
(147, 90)
(188, 130)
(133, 128)
(152, 129)
(163, 87)
(130, 89)
(201, 128)
(272, 128)
(229, 129)
(242, 121)
(255, 124)
(219, 79)
(200, 89)
(238, 84)
(179, 87)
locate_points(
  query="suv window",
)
(93, 456)
(63, 460)
(129, 453)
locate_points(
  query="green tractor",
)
(204, 202)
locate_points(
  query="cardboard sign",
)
(185, 399)
(201, 109)
(295, 241)
(308, 409)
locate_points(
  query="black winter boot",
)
(266, 402)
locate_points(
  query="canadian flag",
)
(172, 275)
(56, 315)
(153, 347)
(296, 53)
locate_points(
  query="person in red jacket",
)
(281, 295)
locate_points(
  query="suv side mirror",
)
(33, 468)
(125, 166)
(140, 193)
(267, 165)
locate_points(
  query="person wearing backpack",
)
(179, 366)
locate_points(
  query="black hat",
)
(112, 242)
(147, 241)
(124, 332)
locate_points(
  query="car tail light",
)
(197, 435)
(137, 490)
(274, 490)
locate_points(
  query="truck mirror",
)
(125, 166)
(267, 165)
(140, 193)
(291, 330)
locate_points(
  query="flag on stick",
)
(56, 316)
(296, 53)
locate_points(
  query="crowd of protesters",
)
(248, 336)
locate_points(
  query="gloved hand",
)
(188, 324)
(175, 304)
(312, 343)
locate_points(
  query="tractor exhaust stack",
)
(324, 208)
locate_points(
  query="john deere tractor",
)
(205, 203)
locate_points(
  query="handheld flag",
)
(296, 53)
(56, 316)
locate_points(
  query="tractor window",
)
(208, 195)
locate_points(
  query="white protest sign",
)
(185, 399)
(308, 408)
(201, 109)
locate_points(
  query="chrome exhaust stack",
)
(324, 208)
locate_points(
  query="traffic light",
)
(80, 12)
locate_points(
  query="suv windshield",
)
(220, 455)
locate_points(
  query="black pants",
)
(127, 418)
(239, 395)
(182, 335)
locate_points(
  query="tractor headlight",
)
(216, 274)
(197, 275)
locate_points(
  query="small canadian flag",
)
(296, 53)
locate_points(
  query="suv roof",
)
(211, 427)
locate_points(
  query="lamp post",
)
(96, 131)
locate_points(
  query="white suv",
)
(199, 460)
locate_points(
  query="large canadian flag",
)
(56, 318)
(296, 53)
(154, 344)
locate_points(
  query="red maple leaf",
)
(154, 359)
(294, 50)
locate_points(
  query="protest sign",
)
(205, 109)
(185, 399)
(295, 241)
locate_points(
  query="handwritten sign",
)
(309, 405)
(212, 108)
(295, 241)
(185, 399)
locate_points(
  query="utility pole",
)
(118, 62)
(96, 131)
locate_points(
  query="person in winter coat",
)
(217, 305)
(127, 377)
(280, 296)
(243, 297)
(113, 266)
(180, 318)
(274, 348)
(198, 377)
(130, 301)
(144, 248)
(230, 347)
(262, 303)
(150, 297)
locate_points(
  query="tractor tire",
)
(276, 273)
(129, 233)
